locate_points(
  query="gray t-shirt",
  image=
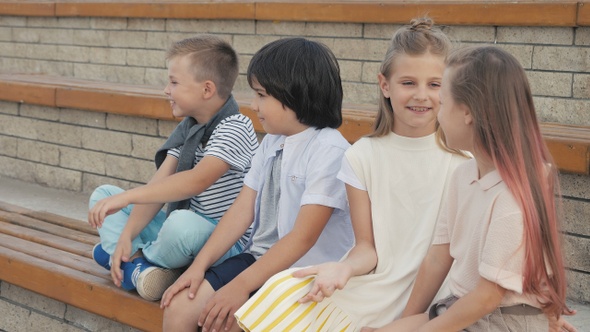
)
(267, 234)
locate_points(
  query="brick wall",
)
(131, 50)
(77, 150)
(23, 310)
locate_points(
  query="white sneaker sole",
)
(153, 282)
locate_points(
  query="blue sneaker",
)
(149, 280)
(101, 257)
(130, 271)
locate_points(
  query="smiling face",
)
(455, 119)
(413, 90)
(183, 91)
(275, 118)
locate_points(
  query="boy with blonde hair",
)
(200, 172)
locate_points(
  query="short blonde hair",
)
(212, 58)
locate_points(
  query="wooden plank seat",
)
(52, 255)
(569, 145)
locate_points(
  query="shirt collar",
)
(487, 181)
(280, 142)
(302, 136)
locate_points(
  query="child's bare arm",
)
(361, 259)
(309, 224)
(482, 300)
(431, 275)
(177, 186)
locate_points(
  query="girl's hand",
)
(329, 277)
(218, 314)
(191, 279)
(561, 325)
(104, 208)
(121, 254)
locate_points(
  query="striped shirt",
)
(234, 141)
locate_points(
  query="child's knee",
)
(182, 313)
(103, 191)
(185, 224)
(187, 227)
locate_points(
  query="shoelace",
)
(135, 274)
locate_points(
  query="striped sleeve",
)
(234, 141)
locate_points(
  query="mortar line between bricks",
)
(582, 236)
(578, 199)
(578, 271)
(42, 313)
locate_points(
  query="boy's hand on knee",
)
(104, 208)
(218, 314)
(189, 279)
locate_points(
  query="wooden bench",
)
(51, 255)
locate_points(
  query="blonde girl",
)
(497, 237)
(395, 180)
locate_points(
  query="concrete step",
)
(75, 205)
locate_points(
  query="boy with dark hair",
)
(294, 201)
(201, 168)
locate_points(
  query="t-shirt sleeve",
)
(502, 255)
(174, 152)
(321, 184)
(441, 230)
(447, 215)
(233, 141)
(348, 176)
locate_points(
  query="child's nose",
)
(167, 89)
(254, 105)
(421, 95)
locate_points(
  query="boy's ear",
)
(209, 89)
(383, 85)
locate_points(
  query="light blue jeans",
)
(171, 242)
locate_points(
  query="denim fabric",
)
(171, 242)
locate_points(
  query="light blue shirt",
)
(310, 162)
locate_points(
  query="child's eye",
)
(173, 82)
(407, 83)
(435, 85)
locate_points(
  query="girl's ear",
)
(467, 116)
(209, 89)
(383, 85)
